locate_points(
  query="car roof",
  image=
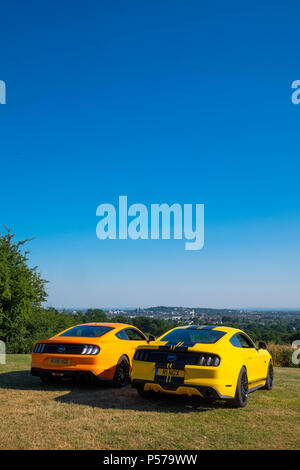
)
(225, 329)
(114, 325)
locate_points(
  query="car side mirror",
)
(262, 345)
(151, 338)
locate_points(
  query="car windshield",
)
(87, 331)
(190, 335)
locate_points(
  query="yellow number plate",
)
(59, 361)
(171, 372)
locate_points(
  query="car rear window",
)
(87, 331)
(187, 335)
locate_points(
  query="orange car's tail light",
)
(59, 348)
(88, 349)
(39, 348)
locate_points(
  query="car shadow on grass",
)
(127, 398)
(20, 380)
(23, 380)
(103, 395)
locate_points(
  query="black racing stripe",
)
(172, 347)
(162, 379)
(166, 365)
(172, 380)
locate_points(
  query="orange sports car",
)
(96, 350)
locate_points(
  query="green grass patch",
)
(35, 416)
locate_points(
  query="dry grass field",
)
(36, 416)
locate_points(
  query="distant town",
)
(191, 315)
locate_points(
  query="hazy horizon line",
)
(277, 309)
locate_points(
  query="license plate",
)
(59, 361)
(170, 372)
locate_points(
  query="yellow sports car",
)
(209, 361)
(92, 350)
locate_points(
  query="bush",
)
(282, 355)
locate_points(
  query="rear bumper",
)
(38, 372)
(204, 391)
(93, 365)
(198, 380)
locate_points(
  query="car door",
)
(251, 358)
(262, 363)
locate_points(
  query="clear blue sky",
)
(162, 101)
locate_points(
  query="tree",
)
(94, 315)
(22, 290)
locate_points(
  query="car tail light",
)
(90, 350)
(209, 360)
(142, 355)
(39, 347)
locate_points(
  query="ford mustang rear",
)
(209, 361)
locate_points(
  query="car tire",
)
(270, 377)
(241, 395)
(144, 393)
(122, 373)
